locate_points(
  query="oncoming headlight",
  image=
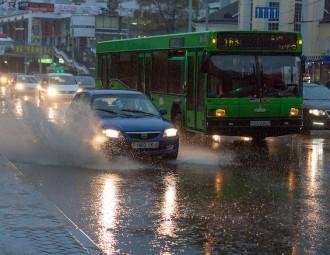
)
(3, 79)
(170, 132)
(51, 91)
(316, 112)
(111, 133)
(19, 86)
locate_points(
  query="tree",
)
(164, 16)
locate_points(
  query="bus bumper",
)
(254, 126)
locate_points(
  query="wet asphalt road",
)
(231, 197)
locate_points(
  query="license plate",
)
(145, 145)
(260, 123)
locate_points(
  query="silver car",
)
(86, 82)
(23, 84)
(58, 86)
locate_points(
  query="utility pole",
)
(207, 16)
(190, 16)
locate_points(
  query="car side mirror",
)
(163, 112)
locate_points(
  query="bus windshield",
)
(253, 76)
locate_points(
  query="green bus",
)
(244, 83)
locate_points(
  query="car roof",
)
(25, 75)
(112, 92)
(59, 74)
(314, 85)
(84, 76)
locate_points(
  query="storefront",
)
(318, 68)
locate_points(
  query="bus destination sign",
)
(257, 41)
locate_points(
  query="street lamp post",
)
(190, 16)
(25, 46)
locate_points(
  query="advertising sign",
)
(77, 9)
(32, 6)
(36, 32)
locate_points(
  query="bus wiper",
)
(138, 111)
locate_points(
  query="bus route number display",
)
(257, 41)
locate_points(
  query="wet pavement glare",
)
(229, 197)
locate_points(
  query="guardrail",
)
(75, 64)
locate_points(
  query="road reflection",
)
(108, 212)
(169, 207)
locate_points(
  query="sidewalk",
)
(29, 224)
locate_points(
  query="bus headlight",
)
(51, 92)
(220, 112)
(294, 112)
(316, 112)
(170, 132)
(111, 133)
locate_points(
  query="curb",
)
(78, 234)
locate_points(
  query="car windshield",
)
(317, 92)
(253, 76)
(124, 104)
(62, 80)
(26, 79)
(85, 81)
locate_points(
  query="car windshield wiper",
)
(105, 110)
(138, 111)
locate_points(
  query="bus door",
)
(141, 73)
(144, 73)
(196, 84)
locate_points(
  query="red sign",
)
(31, 6)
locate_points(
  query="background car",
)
(316, 112)
(23, 84)
(58, 86)
(128, 123)
(86, 82)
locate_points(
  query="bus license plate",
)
(260, 123)
(145, 145)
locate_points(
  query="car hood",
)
(317, 104)
(69, 87)
(29, 85)
(143, 124)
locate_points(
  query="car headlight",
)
(316, 112)
(111, 133)
(19, 86)
(79, 90)
(51, 92)
(170, 132)
(3, 79)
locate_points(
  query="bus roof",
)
(173, 41)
